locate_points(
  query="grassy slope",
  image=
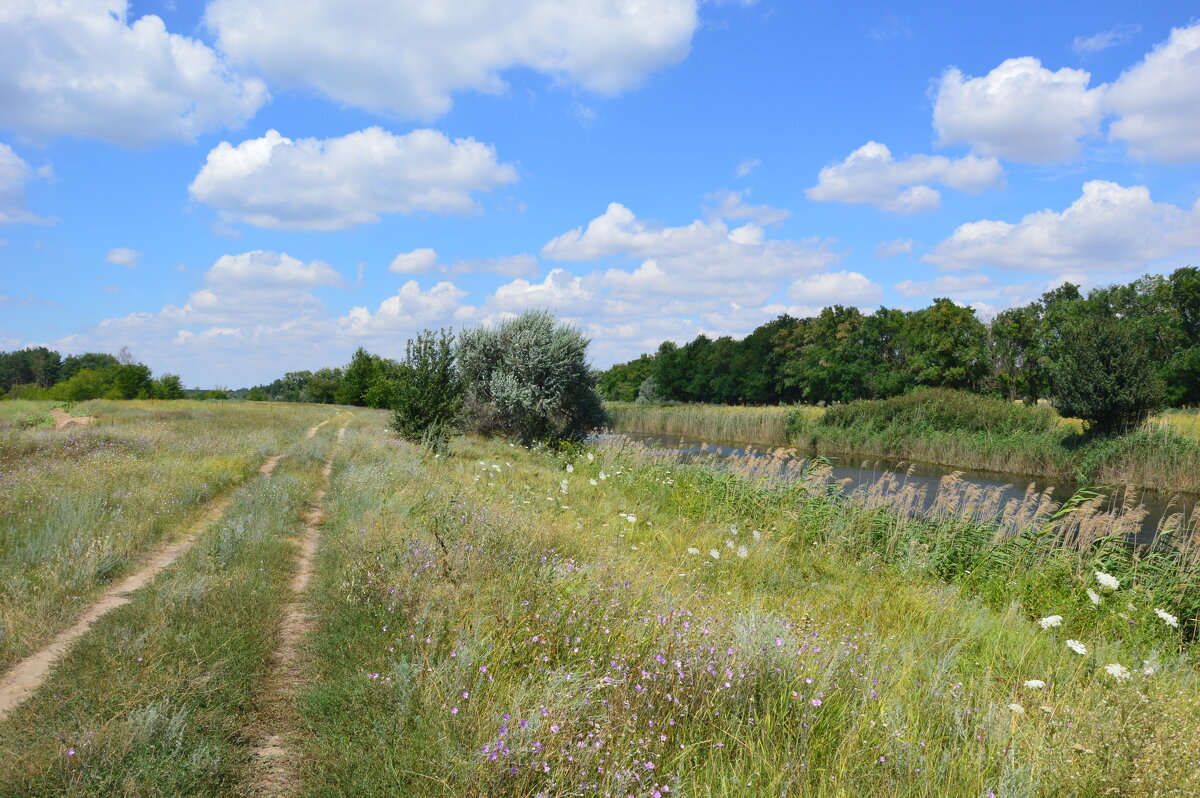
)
(78, 507)
(484, 632)
(154, 701)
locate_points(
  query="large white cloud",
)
(835, 288)
(333, 184)
(1158, 100)
(1109, 228)
(81, 68)
(409, 56)
(14, 174)
(871, 175)
(409, 310)
(1020, 111)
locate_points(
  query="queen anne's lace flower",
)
(1017, 708)
(1050, 620)
(1094, 596)
(1118, 672)
(1168, 618)
(1077, 647)
(1107, 581)
(1035, 684)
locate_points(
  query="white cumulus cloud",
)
(732, 205)
(835, 288)
(1157, 101)
(82, 68)
(14, 174)
(871, 175)
(333, 184)
(1109, 228)
(424, 260)
(1020, 111)
(124, 256)
(408, 57)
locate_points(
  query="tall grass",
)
(79, 506)
(497, 623)
(765, 426)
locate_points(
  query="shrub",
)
(941, 410)
(428, 392)
(1106, 375)
(528, 379)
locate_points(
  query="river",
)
(919, 483)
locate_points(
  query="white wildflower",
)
(591, 457)
(562, 486)
(603, 476)
(570, 468)
(1118, 672)
(1149, 668)
(1168, 618)
(1050, 620)
(729, 544)
(716, 555)
(1035, 684)
(1017, 708)
(742, 552)
(1047, 709)
(733, 530)
(1107, 581)
(1077, 647)
(693, 550)
(593, 482)
(1094, 596)
(757, 535)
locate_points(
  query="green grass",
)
(763, 426)
(80, 506)
(157, 698)
(471, 608)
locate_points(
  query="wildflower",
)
(70, 752)
(1017, 709)
(1149, 668)
(1168, 618)
(693, 550)
(1118, 672)
(603, 476)
(570, 468)
(593, 482)
(1077, 647)
(757, 535)
(729, 544)
(562, 486)
(1050, 620)
(453, 710)
(591, 457)
(816, 702)
(1107, 581)
(742, 552)
(1035, 684)
(716, 555)
(1095, 597)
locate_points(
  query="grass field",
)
(500, 621)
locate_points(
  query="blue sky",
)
(246, 187)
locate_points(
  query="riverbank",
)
(947, 428)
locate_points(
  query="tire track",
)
(26, 676)
(274, 763)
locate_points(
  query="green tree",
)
(427, 393)
(1018, 362)
(362, 372)
(169, 386)
(258, 394)
(947, 346)
(528, 378)
(84, 384)
(1104, 374)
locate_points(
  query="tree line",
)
(42, 373)
(1110, 356)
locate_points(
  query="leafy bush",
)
(428, 392)
(1106, 375)
(528, 379)
(942, 410)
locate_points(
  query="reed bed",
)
(765, 426)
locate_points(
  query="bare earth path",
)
(24, 678)
(274, 768)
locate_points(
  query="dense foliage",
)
(1151, 330)
(528, 378)
(428, 395)
(41, 373)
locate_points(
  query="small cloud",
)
(418, 261)
(1086, 45)
(897, 246)
(747, 166)
(583, 114)
(124, 256)
(110, 289)
(732, 205)
(890, 28)
(179, 267)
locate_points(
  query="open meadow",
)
(499, 620)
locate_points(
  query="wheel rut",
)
(273, 768)
(24, 678)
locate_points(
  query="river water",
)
(927, 486)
